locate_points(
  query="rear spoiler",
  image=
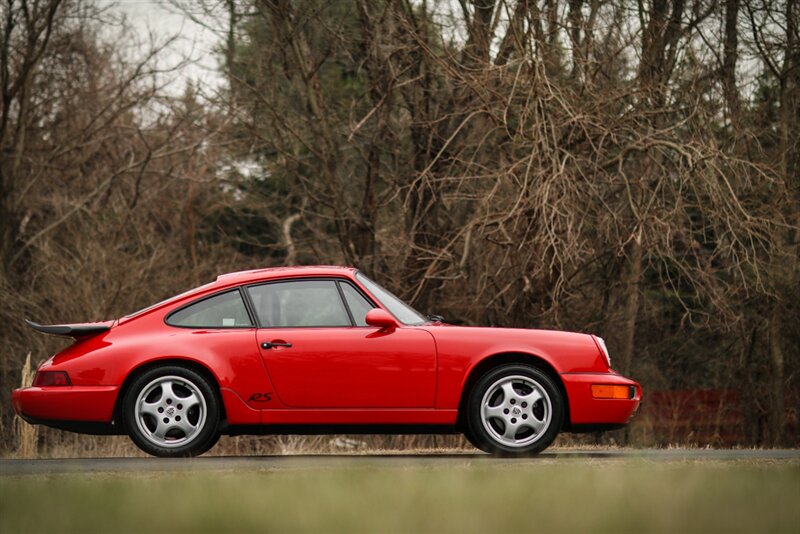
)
(78, 331)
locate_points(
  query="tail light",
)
(51, 378)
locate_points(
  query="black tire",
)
(210, 445)
(163, 388)
(547, 412)
(470, 438)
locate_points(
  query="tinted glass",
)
(359, 306)
(402, 311)
(297, 304)
(221, 311)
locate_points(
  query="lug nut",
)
(524, 404)
(505, 411)
(169, 401)
(513, 401)
(161, 410)
(166, 419)
(524, 416)
(178, 418)
(180, 406)
(513, 419)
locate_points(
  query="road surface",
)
(289, 462)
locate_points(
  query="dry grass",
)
(60, 444)
(69, 445)
(27, 435)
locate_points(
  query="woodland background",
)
(625, 168)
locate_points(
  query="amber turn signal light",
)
(613, 392)
(51, 378)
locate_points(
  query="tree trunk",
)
(623, 308)
(785, 272)
(730, 57)
(776, 413)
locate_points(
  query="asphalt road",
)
(274, 463)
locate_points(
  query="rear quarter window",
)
(225, 310)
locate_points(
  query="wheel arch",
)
(180, 362)
(495, 360)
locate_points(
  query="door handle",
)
(269, 345)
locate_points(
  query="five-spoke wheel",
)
(514, 409)
(172, 411)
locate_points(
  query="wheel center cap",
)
(171, 411)
(515, 410)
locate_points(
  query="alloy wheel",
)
(516, 411)
(170, 411)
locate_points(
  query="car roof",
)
(269, 273)
(245, 277)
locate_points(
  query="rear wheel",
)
(172, 411)
(514, 409)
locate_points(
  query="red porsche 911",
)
(316, 350)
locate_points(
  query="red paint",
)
(71, 403)
(585, 409)
(355, 367)
(330, 375)
(360, 417)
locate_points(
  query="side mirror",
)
(381, 318)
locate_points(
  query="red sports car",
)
(315, 350)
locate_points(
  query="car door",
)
(320, 353)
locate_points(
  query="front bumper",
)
(587, 412)
(66, 403)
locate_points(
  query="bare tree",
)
(629, 170)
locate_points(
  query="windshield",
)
(402, 311)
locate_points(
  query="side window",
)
(300, 303)
(359, 306)
(226, 310)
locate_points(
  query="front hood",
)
(507, 331)
(565, 351)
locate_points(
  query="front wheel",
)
(514, 409)
(172, 411)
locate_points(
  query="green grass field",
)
(540, 496)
